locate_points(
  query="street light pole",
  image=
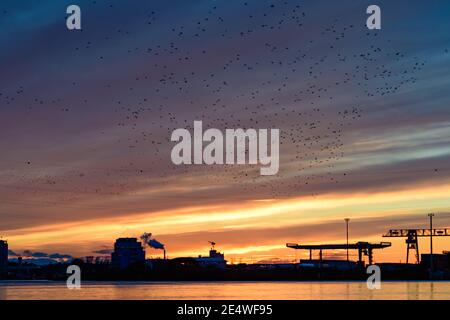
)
(431, 215)
(346, 223)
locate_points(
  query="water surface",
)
(412, 290)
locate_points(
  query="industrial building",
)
(341, 265)
(127, 252)
(215, 258)
(3, 258)
(441, 261)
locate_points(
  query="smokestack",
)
(153, 243)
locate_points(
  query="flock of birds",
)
(260, 65)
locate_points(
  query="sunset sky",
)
(86, 118)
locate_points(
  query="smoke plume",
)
(152, 243)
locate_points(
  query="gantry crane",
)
(412, 237)
(364, 248)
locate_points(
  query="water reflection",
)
(413, 290)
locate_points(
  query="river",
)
(280, 290)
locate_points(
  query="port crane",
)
(412, 236)
(364, 248)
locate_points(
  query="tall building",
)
(127, 252)
(3, 257)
